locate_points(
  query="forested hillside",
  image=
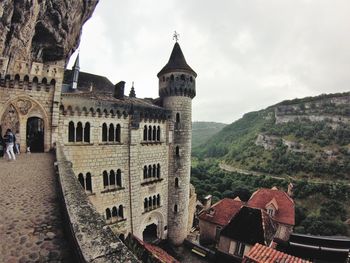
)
(202, 131)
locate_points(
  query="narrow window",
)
(145, 133)
(145, 172)
(182, 77)
(154, 201)
(154, 133)
(114, 212)
(112, 178)
(177, 117)
(52, 83)
(71, 132)
(158, 134)
(175, 209)
(104, 132)
(154, 174)
(119, 178)
(149, 171)
(108, 213)
(105, 179)
(121, 211)
(81, 180)
(158, 200)
(111, 133)
(88, 182)
(177, 151)
(172, 77)
(176, 182)
(87, 132)
(117, 133)
(158, 170)
(150, 202)
(79, 134)
(150, 133)
(145, 204)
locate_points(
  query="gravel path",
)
(30, 216)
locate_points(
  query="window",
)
(104, 132)
(158, 134)
(149, 171)
(114, 212)
(119, 178)
(150, 133)
(79, 132)
(158, 200)
(154, 174)
(158, 170)
(121, 211)
(87, 132)
(154, 201)
(145, 133)
(175, 209)
(154, 133)
(176, 182)
(117, 133)
(88, 182)
(151, 202)
(239, 251)
(71, 132)
(111, 133)
(177, 151)
(105, 179)
(108, 214)
(81, 180)
(177, 118)
(271, 211)
(112, 178)
(145, 172)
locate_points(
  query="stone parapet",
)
(92, 239)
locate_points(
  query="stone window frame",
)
(81, 129)
(151, 203)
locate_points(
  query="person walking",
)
(10, 139)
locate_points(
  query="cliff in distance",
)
(42, 30)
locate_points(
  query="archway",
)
(149, 235)
(35, 134)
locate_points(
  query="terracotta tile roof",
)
(262, 254)
(221, 212)
(285, 213)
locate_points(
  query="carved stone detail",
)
(23, 106)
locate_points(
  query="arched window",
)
(117, 133)
(154, 201)
(112, 178)
(176, 182)
(145, 204)
(154, 174)
(172, 77)
(150, 133)
(182, 77)
(177, 117)
(81, 180)
(108, 213)
(145, 172)
(111, 133)
(158, 134)
(17, 78)
(121, 211)
(154, 138)
(87, 132)
(79, 133)
(114, 212)
(149, 171)
(119, 178)
(145, 133)
(88, 182)
(104, 132)
(52, 83)
(191, 79)
(71, 132)
(105, 179)
(150, 202)
(44, 81)
(158, 170)
(26, 80)
(177, 151)
(175, 209)
(158, 200)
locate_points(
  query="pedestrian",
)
(17, 142)
(10, 139)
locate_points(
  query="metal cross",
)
(176, 36)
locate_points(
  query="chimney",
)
(119, 90)
(207, 202)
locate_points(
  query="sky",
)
(248, 54)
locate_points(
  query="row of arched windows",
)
(116, 213)
(111, 133)
(78, 133)
(112, 179)
(151, 171)
(26, 82)
(151, 133)
(85, 181)
(151, 203)
(172, 78)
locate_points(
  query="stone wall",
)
(93, 241)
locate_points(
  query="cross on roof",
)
(176, 36)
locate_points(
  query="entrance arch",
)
(152, 227)
(35, 134)
(149, 235)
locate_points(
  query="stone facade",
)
(132, 156)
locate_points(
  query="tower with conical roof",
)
(177, 88)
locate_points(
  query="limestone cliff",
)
(42, 30)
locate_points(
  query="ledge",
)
(116, 222)
(91, 239)
(150, 210)
(151, 143)
(152, 182)
(78, 144)
(112, 190)
(110, 143)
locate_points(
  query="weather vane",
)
(176, 36)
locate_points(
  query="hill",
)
(302, 138)
(202, 131)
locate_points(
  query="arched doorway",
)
(35, 134)
(149, 235)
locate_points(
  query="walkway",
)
(30, 216)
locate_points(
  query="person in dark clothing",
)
(10, 140)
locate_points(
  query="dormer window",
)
(271, 212)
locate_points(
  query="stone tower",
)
(177, 88)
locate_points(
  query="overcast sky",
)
(248, 54)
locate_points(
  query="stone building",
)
(131, 155)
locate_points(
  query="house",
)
(279, 205)
(212, 220)
(248, 227)
(262, 254)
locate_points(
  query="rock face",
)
(42, 30)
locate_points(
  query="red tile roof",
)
(262, 254)
(285, 213)
(221, 212)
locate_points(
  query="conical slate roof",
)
(176, 61)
